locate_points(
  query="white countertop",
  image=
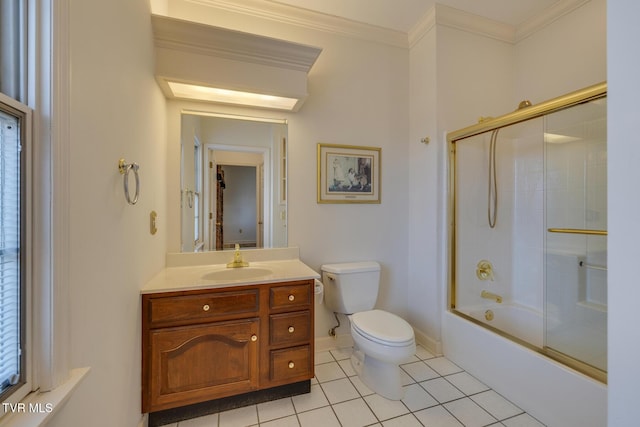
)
(185, 278)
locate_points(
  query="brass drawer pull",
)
(206, 307)
(254, 337)
(291, 329)
(292, 365)
(291, 297)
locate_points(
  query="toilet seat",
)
(383, 327)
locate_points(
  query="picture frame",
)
(348, 174)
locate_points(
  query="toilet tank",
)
(351, 287)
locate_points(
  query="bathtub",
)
(519, 321)
(551, 392)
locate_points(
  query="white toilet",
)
(382, 340)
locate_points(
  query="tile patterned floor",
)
(438, 394)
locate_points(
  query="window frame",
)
(46, 88)
(16, 393)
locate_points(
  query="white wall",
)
(479, 76)
(567, 55)
(364, 103)
(456, 77)
(545, 65)
(358, 95)
(117, 110)
(424, 306)
(623, 206)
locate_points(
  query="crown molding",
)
(469, 22)
(465, 21)
(286, 14)
(461, 20)
(422, 27)
(438, 15)
(547, 17)
(188, 36)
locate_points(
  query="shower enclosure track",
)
(531, 112)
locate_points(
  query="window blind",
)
(10, 241)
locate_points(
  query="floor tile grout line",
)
(495, 419)
(363, 397)
(403, 415)
(524, 413)
(460, 421)
(447, 377)
(327, 397)
(484, 391)
(359, 393)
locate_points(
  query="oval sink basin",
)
(244, 273)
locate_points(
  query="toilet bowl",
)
(382, 341)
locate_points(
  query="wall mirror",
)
(233, 182)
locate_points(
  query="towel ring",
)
(124, 169)
(188, 194)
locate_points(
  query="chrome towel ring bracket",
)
(124, 169)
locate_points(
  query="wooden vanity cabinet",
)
(201, 345)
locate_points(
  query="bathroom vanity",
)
(210, 333)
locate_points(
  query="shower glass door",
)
(576, 237)
(529, 227)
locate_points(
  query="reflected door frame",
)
(263, 193)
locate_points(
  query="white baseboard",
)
(434, 346)
(144, 421)
(332, 343)
(345, 340)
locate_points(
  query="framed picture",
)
(348, 174)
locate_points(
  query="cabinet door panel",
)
(196, 363)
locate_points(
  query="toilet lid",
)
(383, 327)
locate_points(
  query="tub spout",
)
(491, 295)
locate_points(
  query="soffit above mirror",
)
(198, 57)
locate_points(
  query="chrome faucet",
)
(237, 259)
(490, 295)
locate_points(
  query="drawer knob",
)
(206, 307)
(292, 365)
(254, 337)
(291, 297)
(291, 329)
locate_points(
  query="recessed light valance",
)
(213, 64)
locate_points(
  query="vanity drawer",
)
(291, 363)
(290, 328)
(290, 296)
(203, 307)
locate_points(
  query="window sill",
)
(38, 408)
